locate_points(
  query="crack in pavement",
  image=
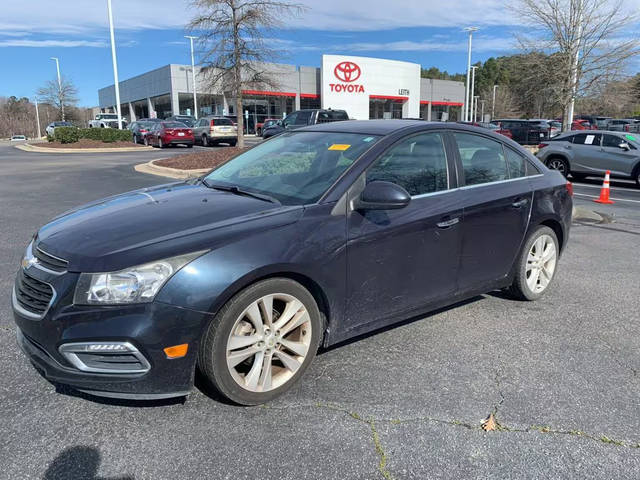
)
(371, 421)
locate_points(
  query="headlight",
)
(132, 285)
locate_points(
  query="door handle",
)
(448, 223)
(520, 203)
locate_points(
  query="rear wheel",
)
(135, 139)
(190, 145)
(536, 265)
(146, 141)
(233, 143)
(261, 342)
(160, 144)
(205, 141)
(560, 164)
(636, 175)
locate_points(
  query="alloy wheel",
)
(269, 342)
(557, 164)
(541, 263)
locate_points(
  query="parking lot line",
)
(631, 186)
(615, 199)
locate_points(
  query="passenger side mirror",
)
(379, 195)
(624, 146)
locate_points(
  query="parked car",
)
(260, 126)
(494, 127)
(106, 120)
(597, 122)
(18, 138)
(246, 271)
(188, 120)
(525, 132)
(52, 126)
(213, 130)
(555, 128)
(303, 118)
(140, 129)
(622, 124)
(168, 134)
(580, 124)
(593, 152)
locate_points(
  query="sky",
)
(150, 34)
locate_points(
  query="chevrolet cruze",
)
(305, 240)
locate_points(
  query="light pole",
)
(193, 77)
(115, 65)
(493, 103)
(568, 122)
(473, 85)
(59, 86)
(38, 119)
(482, 102)
(475, 108)
(467, 110)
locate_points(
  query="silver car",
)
(593, 152)
(215, 129)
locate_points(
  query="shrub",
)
(91, 133)
(66, 134)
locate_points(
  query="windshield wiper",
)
(239, 191)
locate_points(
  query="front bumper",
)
(149, 327)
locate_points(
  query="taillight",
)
(542, 145)
(213, 122)
(142, 130)
(190, 132)
(570, 188)
(170, 132)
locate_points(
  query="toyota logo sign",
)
(347, 71)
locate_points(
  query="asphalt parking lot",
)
(560, 375)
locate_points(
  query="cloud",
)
(52, 43)
(479, 45)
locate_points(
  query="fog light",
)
(105, 357)
(177, 351)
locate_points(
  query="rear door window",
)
(303, 118)
(592, 139)
(482, 159)
(516, 163)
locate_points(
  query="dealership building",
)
(365, 87)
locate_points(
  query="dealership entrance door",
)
(385, 108)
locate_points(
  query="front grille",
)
(33, 295)
(50, 262)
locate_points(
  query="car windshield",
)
(186, 120)
(173, 125)
(295, 168)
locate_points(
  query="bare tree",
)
(586, 36)
(66, 95)
(233, 34)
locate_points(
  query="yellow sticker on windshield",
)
(340, 146)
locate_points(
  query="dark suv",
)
(526, 132)
(302, 118)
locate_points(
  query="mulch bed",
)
(86, 143)
(200, 160)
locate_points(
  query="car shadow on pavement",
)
(77, 463)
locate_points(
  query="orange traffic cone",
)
(604, 191)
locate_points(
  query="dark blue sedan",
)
(306, 240)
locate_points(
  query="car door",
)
(586, 152)
(496, 210)
(620, 161)
(401, 260)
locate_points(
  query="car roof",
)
(370, 127)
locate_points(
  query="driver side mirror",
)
(624, 146)
(379, 195)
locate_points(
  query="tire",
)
(521, 288)
(246, 382)
(558, 163)
(636, 176)
(205, 141)
(135, 139)
(146, 141)
(233, 143)
(259, 132)
(160, 144)
(190, 145)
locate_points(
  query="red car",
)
(494, 127)
(164, 134)
(580, 124)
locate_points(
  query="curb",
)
(153, 169)
(32, 148)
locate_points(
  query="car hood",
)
(154, 223)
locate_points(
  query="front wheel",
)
(536, 265)
(261, 342)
